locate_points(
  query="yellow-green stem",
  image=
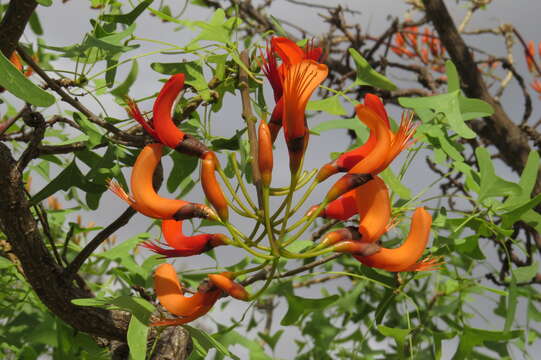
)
(275, 246)
(238, 175)
(267, 282)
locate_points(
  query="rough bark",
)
(12, 26)
(40, 269)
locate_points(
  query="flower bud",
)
(211, 187)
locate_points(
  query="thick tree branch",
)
(44, 275)
(13, 24)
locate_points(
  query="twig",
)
(76, 264)
(7, 124)
(35, 120)
(262, 275)
(73, 101)
(521, 39)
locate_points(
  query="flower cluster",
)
(294, 73)
(429, 49)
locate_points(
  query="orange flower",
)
(167, 131)
(171, 295)
(299, 83)
(147, 201)
(376, 154)
(265, 158)
(406, 256)
(371, 201)
(162, 128)
(224, 282)
(291, 54)
(211, 186)
(182, 245)
(374, 207)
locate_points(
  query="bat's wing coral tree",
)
(385, 257)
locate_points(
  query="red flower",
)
(291, 54)
(182, 245)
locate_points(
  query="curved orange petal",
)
(145, 195)
(405, 256)
(374, 102)
(121, 193)
(377, 157)
(374, 206)
(401, 140)
(288, 50)
(171, 295)
(167, 131)
(300, 82)
(223, 282)
(211, 186)
(342, 208)
(350, 158)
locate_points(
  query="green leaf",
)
(130, 17)
(492, 185)
(512, 302)
(97, 302)
(271, 340)
(525, 274)
(366, 75)
(353, 124)
(45, 2)
(388, 299)
(453, 81)
(448, 104)
(331, 105)
(229, 337)
(203, 342)
(278, 27)
(526, 182)
(35, 24)
(70, 177)
(123, 249)
(472, 337)
(192, 71)
(183, 166)
(137, 339)
(123, 89)
(469, 246)
(299, 307)
(399, 335)
(16, 83)
(218, 28)
(221, 143)
(95, 136)
(395, 184)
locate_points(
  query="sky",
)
(75, 15)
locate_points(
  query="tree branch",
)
(12, 26)
(44, 275)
